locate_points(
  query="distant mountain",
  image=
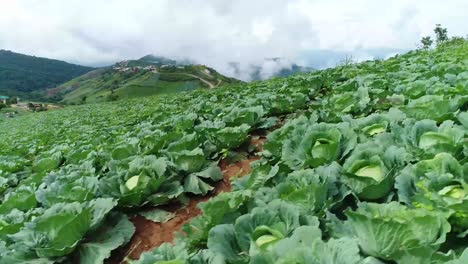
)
(25, 76)
(269, 67)
(288, 71)
(149, 75)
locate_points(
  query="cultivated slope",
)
(23, 75)
(137, 78)
(364, 163)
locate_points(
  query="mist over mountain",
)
(269, 67)
(161, 60)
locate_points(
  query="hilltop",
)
(149, 75)
(26, 76)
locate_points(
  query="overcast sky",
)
(216, 32)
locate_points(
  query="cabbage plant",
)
(439, 184)
(370, 169)
(393, 231)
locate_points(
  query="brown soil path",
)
(149, 235)
(201, 79)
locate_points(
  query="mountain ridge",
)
(26, 76)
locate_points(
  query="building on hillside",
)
(3, 99)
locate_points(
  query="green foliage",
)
(426, 42)
(109, 84)
(437, 183)
(60, 228)
(112, 96)
(21, 74)
(175, 77)
(369, 170)
(317, 144)
(366, 164)
(117, 231)
(441, 34)
(394, 232)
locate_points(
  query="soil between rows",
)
(149, 235)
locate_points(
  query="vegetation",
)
(109, 84)
(8, 112)
(368, 166)
(24, 76)
(426, 42)
(441, 34)
(441, 37)
(174, 77)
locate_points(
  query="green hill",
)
(25, 76)
(136, 78)
(362, 163)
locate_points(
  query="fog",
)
(220, 32)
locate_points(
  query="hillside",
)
(25, 76)
(362, 163)
(147, 76)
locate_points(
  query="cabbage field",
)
(363, 163)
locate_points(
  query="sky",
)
(317, 33)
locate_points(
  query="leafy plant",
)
(393, 232)
(391, 131)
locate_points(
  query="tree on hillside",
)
(426, 42)
(2, 105)
(441, 34)
(112, 96)
(12, 100)
(347, 61)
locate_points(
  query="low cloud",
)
(219, 32)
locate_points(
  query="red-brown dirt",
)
(149, 235)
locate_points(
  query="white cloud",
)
(263, 30)
(215, 32)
